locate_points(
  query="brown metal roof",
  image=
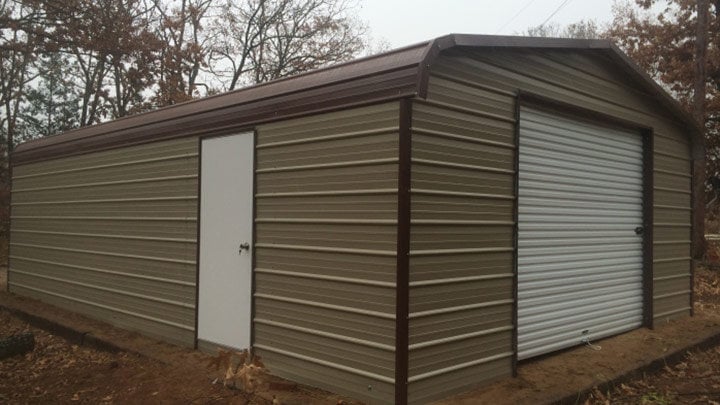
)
(392, 75)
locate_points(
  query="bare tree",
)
(267, 39)
(20, 40)
(181, 27)
(583, 29)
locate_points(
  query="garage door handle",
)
(244, 246)
(639, 230)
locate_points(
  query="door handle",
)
(639, 230)
(244, 246)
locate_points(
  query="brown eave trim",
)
(233, 98)
(137, 136)
(402, 278)
(431, 54)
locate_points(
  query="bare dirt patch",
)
(57, 371)
(695, 380)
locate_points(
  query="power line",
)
(528, 4)
(560, 7)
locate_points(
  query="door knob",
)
(244, 246)
(639, 230)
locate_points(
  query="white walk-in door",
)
(226, 219)
(579, 232)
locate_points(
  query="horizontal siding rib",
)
(114, 273)
(108, 307)
(95, 252)
(109, 165)
(333, 365)
(111, 290)
(106, 183)
(98, 235)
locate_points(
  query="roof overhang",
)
(392, 75)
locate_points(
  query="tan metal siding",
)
(111, 235)
(326, 226)
(591, 81)
(462, 171)
(460, 239)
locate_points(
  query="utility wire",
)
(560, 7)
(528, 4)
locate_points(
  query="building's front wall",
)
(112, 235)
(463, 177)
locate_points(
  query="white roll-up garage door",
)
(579, 254)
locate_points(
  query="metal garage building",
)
(398, 228)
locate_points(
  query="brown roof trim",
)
(392, 75)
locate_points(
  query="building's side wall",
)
(112, 235)
(326, 232)
(461, 239)
(466, 130)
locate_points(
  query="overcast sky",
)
(404, 22)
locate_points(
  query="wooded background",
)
(71, 63)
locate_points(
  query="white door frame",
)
(235, 154)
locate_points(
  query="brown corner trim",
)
(402, 278)
(516, 188)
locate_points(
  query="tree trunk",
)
(699, 95)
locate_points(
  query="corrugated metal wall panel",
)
(453, 381)
(591, 81)
(326, 226)
(483, 84)
(460, 239)
(119, 157)
(305, 370)
(580, 266)
(112, 235)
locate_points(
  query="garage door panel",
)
(590, 273)
(569, 324)
(546, 159)
(571, 135)
(580, 193)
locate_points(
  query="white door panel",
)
(226, 223)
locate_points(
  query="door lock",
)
(639, 230)
(244, 246)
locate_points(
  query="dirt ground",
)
(58, 371)
(696, 380)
